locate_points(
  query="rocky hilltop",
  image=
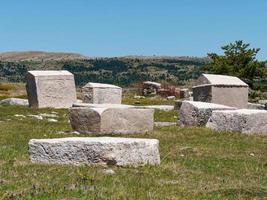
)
(38, 56)
(122, 71)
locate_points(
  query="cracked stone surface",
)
(246, 121)
(95, 150)
(196, 113)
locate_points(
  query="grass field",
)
(196, 163)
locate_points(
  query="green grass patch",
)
(165, 116)
(156, 100)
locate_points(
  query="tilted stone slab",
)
(255, 106)
(15, 102)
(196, 113)
(158, 107)
(91, 105)
(55, 89)
(95, 150)
(244, 120)
(111, 120)
(99, 93)
(105, 105)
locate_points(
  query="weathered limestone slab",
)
(256, 106)
(243, 120)
(98, 93)
(95, 150)
(15, 101)
(158, 107)
(55, 89)
(151, 83)
(105, 105)
(196, 113)
(111, 120)
(150, 88)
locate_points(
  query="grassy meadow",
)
(196, 163)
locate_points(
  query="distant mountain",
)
(122, 71)
(39, 56)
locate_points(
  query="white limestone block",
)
(196, 113)
(98, 93)
(95, 150)
(55, 89)
(158, 107)
(246, 121)
(111, 120)
(15, 101)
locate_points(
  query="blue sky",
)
(136, 27)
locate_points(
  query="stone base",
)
(196, 113)
(111, 120)
(95, 150)
(243, 120)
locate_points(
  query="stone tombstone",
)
(99, 93)
(150, 88)
(111, 120)
(55, 89)
(220, 89)
(246, 121)
(196, 113)
(95, 151)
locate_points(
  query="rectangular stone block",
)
(221, 89)
(196, 113)
(95, 150)
(244, 120)
(111, 120)
(55, 89)
(98, 93)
